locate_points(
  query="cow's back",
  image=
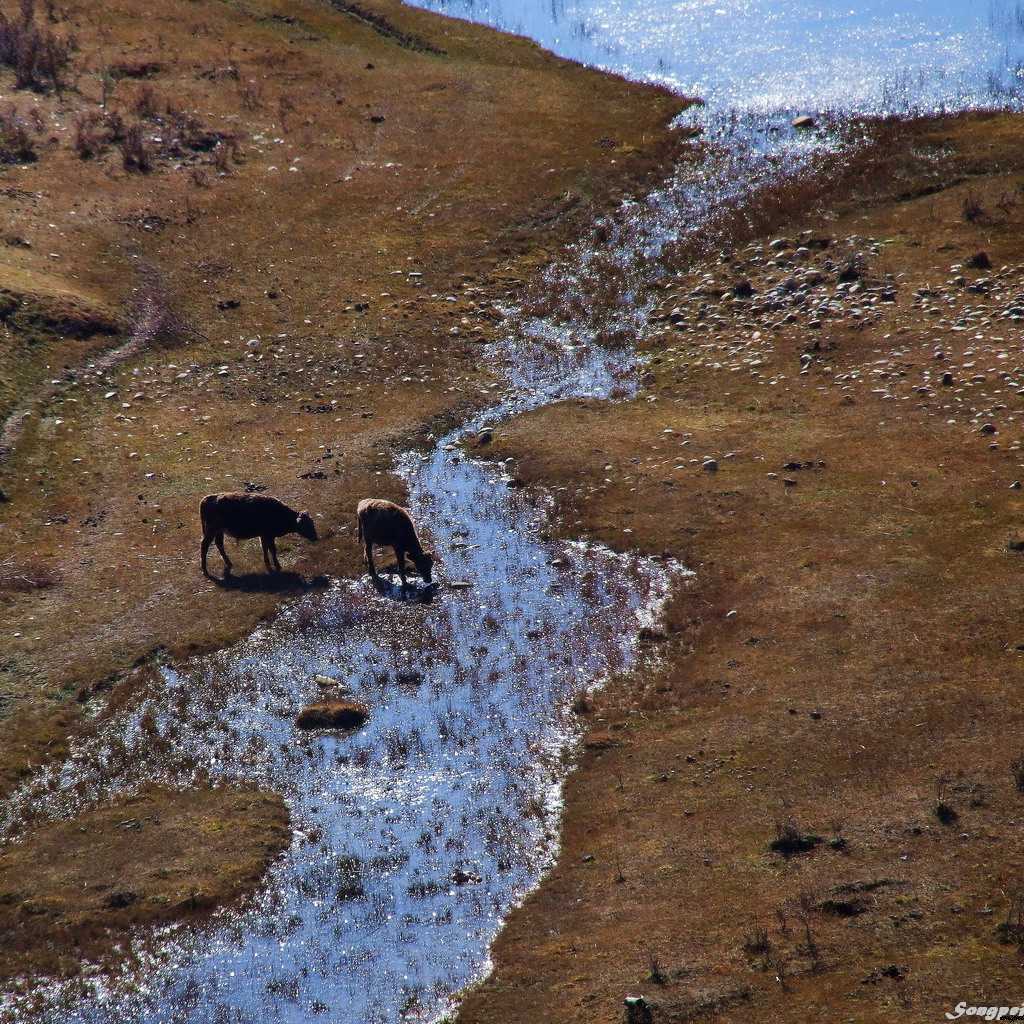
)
(384, 522)
(250, 515)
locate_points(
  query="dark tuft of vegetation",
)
(971, 208)
(135, 154)
(1017, 770)
(655, 972)
(790, 841)
(16, 143)
(36, 54)
(95, 131)
(944, 811)
(757, 942)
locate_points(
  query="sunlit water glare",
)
(415, 836)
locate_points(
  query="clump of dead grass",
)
(18, 577)
(790, 840)
(16, 143)
(38, 56)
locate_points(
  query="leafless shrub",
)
(1017, 770)
(135, 154)
(95, 131)
(809, 947)
(944, 810)
(16, 143)
(36, 54)
(285, 108)
(790, 840)
(251, 94)
(757, 942)
(971, 208)
(1011, 931)
(147, 103)
(655, 972)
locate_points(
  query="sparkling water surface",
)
(415, 836)
(791, 54)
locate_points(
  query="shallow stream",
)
(417, 835)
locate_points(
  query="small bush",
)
(757, 943)
(88, 140)
(37, 55)
(135, 154)
(1017, 770)
(971, 208)
(790, 841)
(16, 144)
(655, 972)
(96, 131)
(147, 103)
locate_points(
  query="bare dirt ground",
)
(836, 451)
(251, 244)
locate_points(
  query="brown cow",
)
(250, 515)
(385, 523)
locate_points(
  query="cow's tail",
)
(359, 526)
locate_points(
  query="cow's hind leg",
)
(266, 542)
(273, 553)
(207, 541)
(370, 560)
(223, 554)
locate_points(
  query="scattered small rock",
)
(805, 121)
(896, 972)
(333, 714)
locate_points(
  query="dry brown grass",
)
(155, 857)
(865, 682)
